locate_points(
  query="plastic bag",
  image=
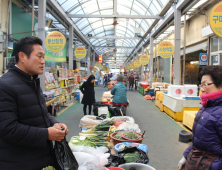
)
(143, 155)
(90, 120)
(127, 126)
(123, 119)
(87, 149)
(115, 160)
(118, 147)
(64, 157)
(115, 110)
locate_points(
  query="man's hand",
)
(59, 126)
(55, 134)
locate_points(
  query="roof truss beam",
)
(135, 38)
(111, 47)
(116, 16)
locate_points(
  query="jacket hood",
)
(90, 78)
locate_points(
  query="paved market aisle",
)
(161, 131)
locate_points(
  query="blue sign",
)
(106, 64)
(203, 59)
(216, 60)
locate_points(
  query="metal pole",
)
(142, 66)
(70, 47)
(88, 61)
(41, 25)
(94, 58)
(177, 67)
(184, 48)
(33, 4)
(151, 61)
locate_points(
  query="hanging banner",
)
(137, 63)
(80, 52)
(100, 58)
(132, 66)
(144, 60)
(55, 41)
(55, 56)
(165, 49)
(216, 19)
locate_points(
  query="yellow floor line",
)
(65, 109)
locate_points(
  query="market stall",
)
(106, 142)
(176, 106)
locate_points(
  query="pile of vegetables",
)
(132, 157)
(96, 141)
(104, 126)
(49, 168)
(128, 135)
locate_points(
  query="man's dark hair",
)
(215, 72)
(25, 45)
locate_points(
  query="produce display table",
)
(175, 106)
(188, 118)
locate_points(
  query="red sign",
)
(100, 58)
(190, 91)
(178, 91)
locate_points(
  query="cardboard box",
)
(176, 90)
(190, 90)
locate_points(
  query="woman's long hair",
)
(90, 78)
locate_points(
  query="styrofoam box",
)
(190, 90)
(175, 90)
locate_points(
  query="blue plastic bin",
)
(77, 94)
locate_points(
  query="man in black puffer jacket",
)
(26, 128)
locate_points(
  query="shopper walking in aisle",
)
(88, 94)
(131, 82)
(26, 128)
(205, 151)
(119, 91)
(125, 79)
(105, 80)
(136, 81)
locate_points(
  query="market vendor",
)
(205, 152)
(26, 128)
(119, 91)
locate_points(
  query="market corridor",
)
(161, 131)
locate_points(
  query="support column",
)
(33, 4)
(41, 25)
(88, 61)
(94, 58)
(70, 47)
(142, 67)
(151, 62)
(177, 25)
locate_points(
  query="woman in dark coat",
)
(88, 93)
(131, 81)
(205, 152)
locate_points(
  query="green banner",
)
(58, 56)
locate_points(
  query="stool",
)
(185, 136)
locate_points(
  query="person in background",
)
(88, 94)
(136, 81)
(119, 91)
(26, 128)
(125, 79)
(110, 76)
(131, 82)
(205, 152)
(105, 80)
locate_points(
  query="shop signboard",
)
(216, 19)
(80, 52)
(144, 60)
(216, 60)
(132, 66)
(137, 63)
(53, 56)
(55, 41)
(165, 49)
(203, 59)
(106, 64)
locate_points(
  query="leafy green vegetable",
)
(132, 157)
(104, 126)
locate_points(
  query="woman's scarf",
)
(211, 96)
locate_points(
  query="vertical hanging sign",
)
(80, 52)
(165, 49)
(100, 58)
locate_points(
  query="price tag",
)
(82, 137)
